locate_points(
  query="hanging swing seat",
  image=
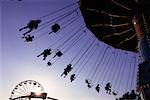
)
(115, 93)
(59, 53)
(49, 63)
(55, 28)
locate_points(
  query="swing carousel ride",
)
(120, 32)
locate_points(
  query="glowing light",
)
(134, 23)
(121, 5)
(38, 93)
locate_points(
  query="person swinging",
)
(97, 88)
(67, 70)
(72, 78)
(108, 88)
(88, 83)
(28, 38)
(33, 24)
(133, 94)
(45, 53)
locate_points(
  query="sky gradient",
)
(19, 61)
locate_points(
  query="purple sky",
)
(19, 61)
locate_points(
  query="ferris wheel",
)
(24, 89)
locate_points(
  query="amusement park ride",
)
(124, 25)
(29, 89)
(121, 24)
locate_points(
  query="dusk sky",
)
(19, 61)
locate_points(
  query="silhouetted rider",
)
(133, 95)
(97, 88)
(33, 24)
(67, 70)
(28, 38)
(108, 88)
(45, 53)
(72, 78)
(88, 83)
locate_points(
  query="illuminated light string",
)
(118, 34)
(112, 15)
(137, 29)
(147, 30)
(110, 25)
(118, 4)
(127, 39)
(106, 13)
(111, 21)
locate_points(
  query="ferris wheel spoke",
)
(25, 89)
(26, 86)
(29, 86)
(16, 96)
(32, 88)
(19, 92)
